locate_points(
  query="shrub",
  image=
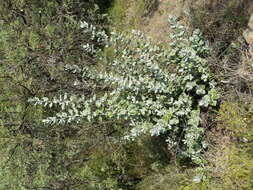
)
(145, 89)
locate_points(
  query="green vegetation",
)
(87, 103)
(128, 15)
(146, 93)
(118, 14)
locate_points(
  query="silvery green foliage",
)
(153, 89)
(94, 35)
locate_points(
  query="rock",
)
(248, 33)
(248, 36)
(250, 24)
(250, 9)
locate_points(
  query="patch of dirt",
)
(156, 26)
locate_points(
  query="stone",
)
(250, 9)
(248, 36)
(250, 24)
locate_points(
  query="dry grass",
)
(218, 154)
(230, 147)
